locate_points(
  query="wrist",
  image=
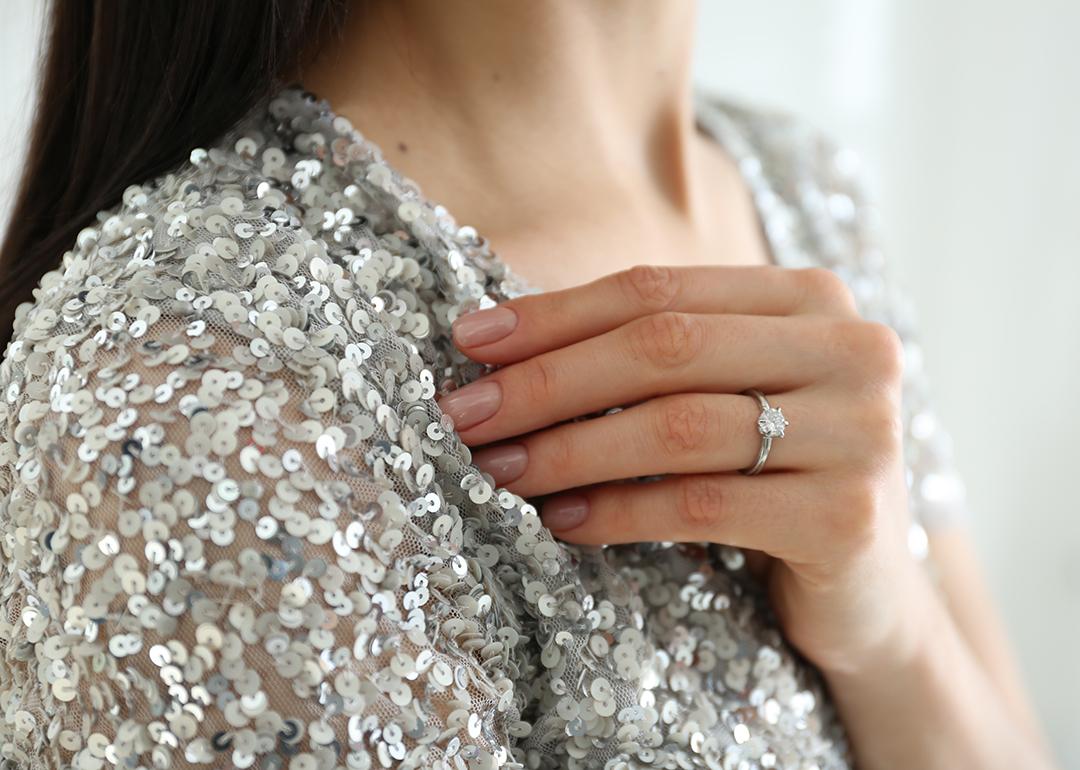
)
(920, 618)
(926, 702)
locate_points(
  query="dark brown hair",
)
(125, 90)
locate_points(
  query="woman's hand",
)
(676, 346)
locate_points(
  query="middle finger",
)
(662, 353)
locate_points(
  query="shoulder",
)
(214, 223)
(813, 198)
(277, 211)
(165, 234)
(238, 242)
(222, 273)
(790, 147)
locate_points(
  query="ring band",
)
(770, 425)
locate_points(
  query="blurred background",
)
(966, 116)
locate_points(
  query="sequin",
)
(238, 531)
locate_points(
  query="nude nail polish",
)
(472, 404)
(565, 511)
(505, 463)
(482, 327)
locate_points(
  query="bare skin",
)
(518, 115)
(536, 107)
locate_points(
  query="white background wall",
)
(967, 116)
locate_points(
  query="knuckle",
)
(822, 286)
(842, 340)
(873, 348)
(560, 457)
(880, 426)
(541, 380)
(684, 425)
(885, 347)
(853, 518)
(652, 287)
(670, 339)
(700, 502)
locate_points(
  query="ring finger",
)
(681, 433)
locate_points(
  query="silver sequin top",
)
(237, 531)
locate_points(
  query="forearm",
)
(964, 591)
(933, 707)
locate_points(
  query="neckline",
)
(463, 258)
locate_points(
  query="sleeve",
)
(223, 545)
(846, 230)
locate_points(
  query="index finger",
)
(524, 326)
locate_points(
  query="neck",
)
(549, 105)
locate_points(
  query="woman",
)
(275, 496)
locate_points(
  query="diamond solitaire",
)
(771, 422)
(770, 425)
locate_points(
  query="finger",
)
(682, 433)
(782, 514)
(651, 356)
(524, 326)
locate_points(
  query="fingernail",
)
(564, 512)
(505, 463)
(482, 327)
(472, 404)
